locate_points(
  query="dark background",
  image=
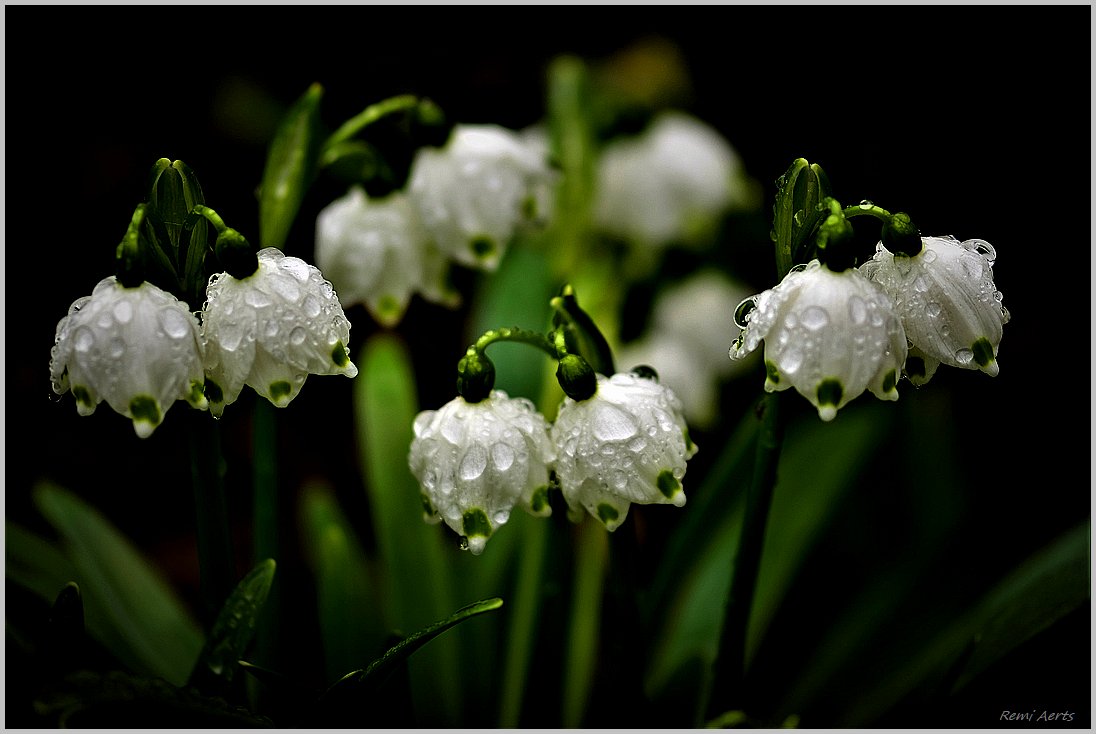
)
(975, 120)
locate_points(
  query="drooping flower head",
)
(671, 184)
(272, 329)
(376, 252)
(476, 460)
(627, 443)
(137, 348)
(830, 335)
(474, 193)
(951, 310)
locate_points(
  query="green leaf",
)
(351, 627)
(291, 165)
(233, 629)
(360, 682)
(130, 607)
(35, 563)
(412, 554)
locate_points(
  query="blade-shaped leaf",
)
(362, 681)
(136, 613)
(291, 164)
(233, 629)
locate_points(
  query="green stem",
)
(522, 633)
(730, 663)
(215, 558)
(865, 209)
(585, 625)
(368, 116)
(514, 334)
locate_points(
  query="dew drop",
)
(175, 324)
(473, 463)
(123, 311)
(791, 361)
(972, 266)
(964, 356)
(612, 424)
(928, 255)
(297, 336)
(83, 340)
(256, 298)
(920, 284)
(117, 347)
(867, 204)
(743, 310)
(858, 310)
(932, 308)
(814, 318)
(312, 306)
(502, 456)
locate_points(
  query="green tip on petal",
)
(772, 375)
(145, 412)
(984, 357)
(668, 484)
(608, 515)
(428, 509)
(476, 524)
(829, 395)
(280, 393)
(539, 501)
(84, 404)
(483, 246)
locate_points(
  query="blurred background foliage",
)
(927, 561)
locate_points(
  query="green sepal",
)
(796, 211)
(363, 682)
(232, 631)
(576, 377)
(901, 237)
(580, 333)
(291, 165)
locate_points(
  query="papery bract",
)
(137, 348)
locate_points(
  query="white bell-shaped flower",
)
(669, 185)
(475, 193)
(829, 335)
(137, 348)
(951, 310)
(271, 330)
(627, 443)
(475, 461)
(375, 252)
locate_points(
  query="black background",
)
(976, 120)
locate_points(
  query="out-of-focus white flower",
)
(375, 252)
(829, 335)
(137, 348)
(686, 344)
(627, 443)
(950, 308)
(474, 193)
(475, 461)
(271, 330)
(669, 185)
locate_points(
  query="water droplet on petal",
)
(928, 255)
(791, 361)
(123, 311)
(83, 340)
(932, 308)
(612, 424)
(473, 463)
(814, 318)
(743, 310)
(502, 456)
(964, 356)
(175, 324)
(858, 310)
(297, 336)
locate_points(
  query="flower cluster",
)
(831, 334)
(141, 348)
(625, 443)
(462, 204)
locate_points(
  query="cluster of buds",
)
(618, 438)
(463, 202)
(835, 327)
(266, 321)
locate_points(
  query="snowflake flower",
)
(137, 348)
(627, 443)
(830, 335)
(950, 308)
(271, 330)
(475, 461)
(478, 190)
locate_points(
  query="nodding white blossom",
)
(475, 461)
(683, 346)
(376, 252)
(627, 443)
(830, 335)
(669, 185)
(478, 190)
(271, 330)
(137, 348)
(950, 308)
